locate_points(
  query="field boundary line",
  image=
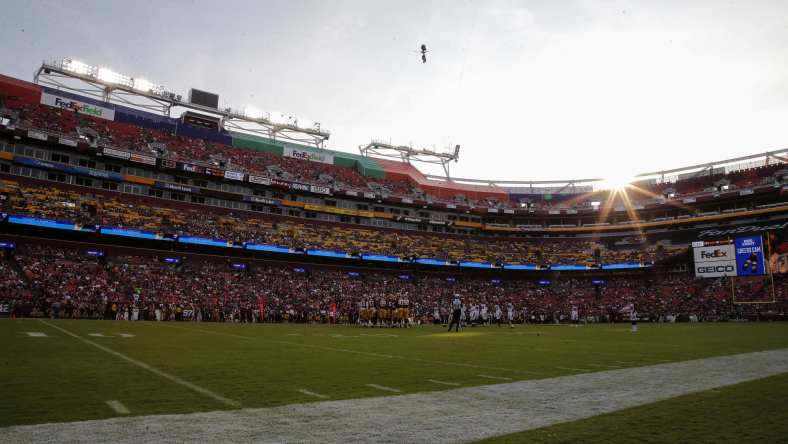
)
(384, 388)
(311, 393)
(448, 416)
(436, 381)
(154, 370)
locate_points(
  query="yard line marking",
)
(97, 335)
(494, 410)
(574, 369)
(359, 352)
(605, 366)
(154, 370)
(500, 378)
(384, 388)
(125, 335)
(36, 334)
(435, 381)
(118, 407)
(311, 393)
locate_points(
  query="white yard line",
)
(435, 381)
(118, 407)
(201, 390)
(450, 416)
(384, 388)
(574, 369)
(311, 393)
(499, 378)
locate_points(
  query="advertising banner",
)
(259, 180)
(67, 142)
(78, 106)
(749, 256)
(319, 189)
(215, 172)
(234, 175)
(140, 158)
(38, 135)
(299, 186)
(715, 260)
(192, 168)
(312, 156)
(111, 152)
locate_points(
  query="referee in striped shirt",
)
(456, 313)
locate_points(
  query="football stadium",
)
(176, 269)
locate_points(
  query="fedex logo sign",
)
(311, 156)
(713, 254)
(78, 106)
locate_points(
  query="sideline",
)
(458, 415)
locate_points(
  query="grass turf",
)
(59, 378)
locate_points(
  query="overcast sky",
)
(530, 89)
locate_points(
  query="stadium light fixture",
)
(110, 76)
(252, 112)
(277, 117)
(77, 67)
(144, 85)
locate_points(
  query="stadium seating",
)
(239, 227)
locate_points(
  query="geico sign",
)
(717, 269)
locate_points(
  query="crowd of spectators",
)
(193, 150)
(64, 282)
(87, 209)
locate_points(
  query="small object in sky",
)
(423, 53)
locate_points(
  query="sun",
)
(616, 182)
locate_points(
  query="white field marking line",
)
(36, 334)
(604, 366)
(384, 388)
(363, 353)
(575, 369)
(311, 393)
(464, 414)
(435, 381)
(154, 370)
(118, 407)
(500, 378)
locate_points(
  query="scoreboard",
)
(742, 256)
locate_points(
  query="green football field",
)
(63, 371)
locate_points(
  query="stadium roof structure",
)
(109, 86)
(719, 166)
(406, 154)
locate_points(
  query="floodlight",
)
(304, 123)
(110, 76)
(252, 112)
(77, 67)
(277, 117)
(144, 85)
